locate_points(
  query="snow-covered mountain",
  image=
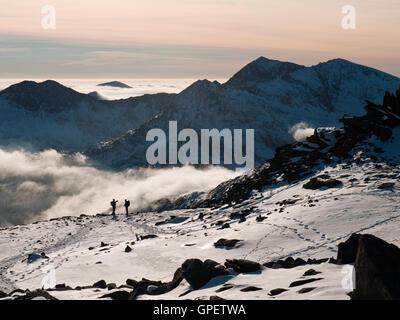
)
(49, 115)
(289, 230)
(266, 95)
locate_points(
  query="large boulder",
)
(198, 273)
(347, 251)
(242, 266)
(377, 270)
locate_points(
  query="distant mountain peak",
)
(115, 84)
(48, 95)
(262, 70)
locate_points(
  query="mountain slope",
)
(267, 96)
(49, 115)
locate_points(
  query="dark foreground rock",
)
(242, 266)
(347, 251)
(198, 273)
(377, 269)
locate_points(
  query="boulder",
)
(198, 273)
(100, 284)
(242, 266)
(117, 295)
(226, 243)
(318, 183)
(377, 269)
(275, 292)
(347, 251)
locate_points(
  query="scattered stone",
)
(111, 286)
(242, 266)
(30, 295)
(250, 289)
(275, 292)
(260, 218)
(224, 288)
(216, 298)
(100, 284)
(128, 249)
(386, 185)
(148, 236)
(117, 295)
(306, 290)
(226, 243)
(2, 294)
(311, 272)
(102, 244)
(225, 226)
(301, 282)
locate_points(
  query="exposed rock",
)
(216, 298)
(386, 185)
(305, 290)
(29, 295)
(275, 292)
(250, 289)
(242, 266)
(100, 284)
(117, 295)
(311, 272)
(2, 294)
(111, 286)
(377, 269)
(301, 282)
(198, 273)
(224, 288)
(288, 263)
(128, 249)
(226, 243)
(347, 251)
(318, 183)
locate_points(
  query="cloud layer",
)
(48, 184)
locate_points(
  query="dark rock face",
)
(198, 273)
(243, 266)
(347, 251)
(128, 249)
(318, 183)
(377, 270)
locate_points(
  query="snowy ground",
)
(311, 227)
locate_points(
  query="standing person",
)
(114, 206)
(127, 204)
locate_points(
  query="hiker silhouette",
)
(127, 204)
(113, 205)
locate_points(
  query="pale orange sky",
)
(191, 38)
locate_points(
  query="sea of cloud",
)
(49, 184)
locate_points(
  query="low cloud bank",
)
(301, 131)
(48, 184)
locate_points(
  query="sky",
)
(190, 38)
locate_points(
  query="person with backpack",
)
(127, 204)
(114, 206)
